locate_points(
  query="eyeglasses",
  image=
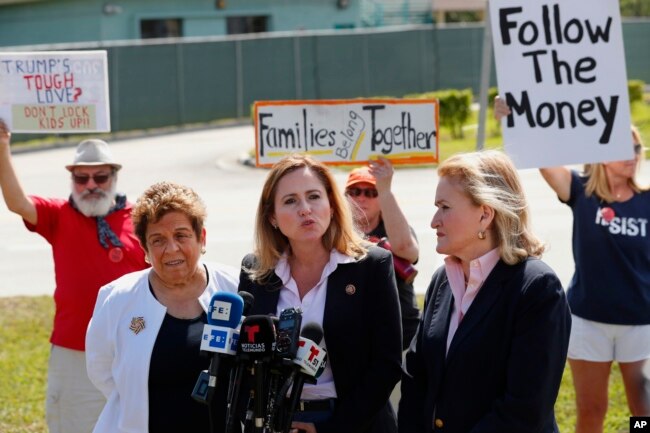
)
(638, 149)
(368, 192)
(82, 179)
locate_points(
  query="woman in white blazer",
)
(142, 345)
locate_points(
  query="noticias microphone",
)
(220, 333)
(237, 374)
(309, 363)
(256, 346)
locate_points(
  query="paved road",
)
(207, 161)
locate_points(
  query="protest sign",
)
(561, 69)
(348, 131)
(55, 91)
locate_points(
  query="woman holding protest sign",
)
(609, 293)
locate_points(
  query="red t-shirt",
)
(81, 264)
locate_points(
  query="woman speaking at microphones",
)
(308, 255)
(143, 341)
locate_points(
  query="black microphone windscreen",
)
(257, 336)
(249, 301)
(312, 331)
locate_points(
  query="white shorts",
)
(603, 342)
(72, 403)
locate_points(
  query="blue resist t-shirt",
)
(611, 283)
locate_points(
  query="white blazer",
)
(120, 340)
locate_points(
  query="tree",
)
(635, 8)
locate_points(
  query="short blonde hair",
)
(489, 178)
(160, 199)
(270, 243)
(597, 177)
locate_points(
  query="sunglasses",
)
(82, 179)
(368, 192)
(638, 149)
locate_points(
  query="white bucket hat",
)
(93, 152)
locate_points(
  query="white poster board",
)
(348, 131)
(55, 91)
(561, 69)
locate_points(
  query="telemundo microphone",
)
(309, 363)
(256, 347)
(220, 333)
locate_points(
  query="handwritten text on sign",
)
(342, 132)
(561, 69)
(54, 91)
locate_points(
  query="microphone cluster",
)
(269, 357)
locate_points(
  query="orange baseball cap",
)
(360, 175)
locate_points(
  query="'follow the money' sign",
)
(352, 131)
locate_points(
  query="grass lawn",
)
(25, 325)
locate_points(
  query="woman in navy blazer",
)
(492, 342)
(308, 255)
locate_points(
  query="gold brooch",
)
(137, 325)
(350, 289)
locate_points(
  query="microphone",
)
(249, 301)
(288, 332)
(286, 347)
(237, 374)
(224, 314)
(310, 356)
(309, 363)
(256, 345)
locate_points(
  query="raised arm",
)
(12, 192)
(558, 178)
(402, 241)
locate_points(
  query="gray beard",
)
(94, 207)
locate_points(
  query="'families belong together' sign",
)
(561, 70)
(345, 132)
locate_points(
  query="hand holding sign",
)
(5, 135)
(382, 169)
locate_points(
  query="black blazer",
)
(363, 335)
(505, 361)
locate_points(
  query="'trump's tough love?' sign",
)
(56, 91)
(561, 69)
(340, 132)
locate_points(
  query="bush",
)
(635, 90)
(454, 110)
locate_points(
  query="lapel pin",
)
(350, 289)
(137, 325)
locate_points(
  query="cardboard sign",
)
(561, 69)
(55, 91)
(347, 132)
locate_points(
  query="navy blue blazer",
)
(363, 335)
(505, 362)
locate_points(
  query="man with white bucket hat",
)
(93, 243)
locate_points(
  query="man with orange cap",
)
(378, 215)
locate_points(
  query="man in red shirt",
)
(93, 243)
